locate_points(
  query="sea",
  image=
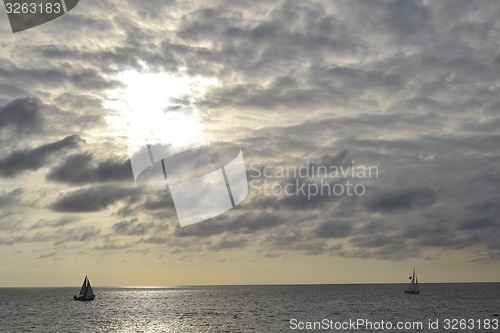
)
(473, 307)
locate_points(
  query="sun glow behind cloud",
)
(157, 108)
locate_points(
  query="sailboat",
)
(86, 293)
(413, 288)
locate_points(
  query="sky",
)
(408, 89)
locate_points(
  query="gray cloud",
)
(34, 158)
(78, 234)
(248, 222)
(112, 247)
(159, 201)
(82, 169)
(477, 223)
(59, 223)
(86, 79)
(489, 206)
(388, 201)
(376, 241)
(226, 243)
(93, 199)
(289, 239)
(22, 115)
(334, 229)
(154, 240)
(64, 221)
(10, 198)
(132, 227)
(59, 236)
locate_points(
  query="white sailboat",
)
(413, 288)
(86, 292)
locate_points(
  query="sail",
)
(88, 291)
(414, 282)
(413, 287)
(84, 287)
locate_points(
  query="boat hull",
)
(412, 292)
(83, 298)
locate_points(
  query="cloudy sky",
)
(409, 87)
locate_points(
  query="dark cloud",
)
(251, 96)
(112, 247)
(64, 221)
(288, 239)
(379, 240)
(78, 234)
(358, 80)
(59, 223)
(34, 158)
(489, 176)
(247, 223)
(402, 199)
(226, 243)
(86, 79)
(132, 227)
(270, 39)
(154, 240)
(334, 229)
(153, 10)
(10, 198)
(22, 115)
(59, 236)
(489, 206)
(9, 90)
(82, 169)
(159, 201)
(405, 19)
(94, 199)
(477, 223)
(374, 227)
(27, 119)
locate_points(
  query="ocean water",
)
(249, 308)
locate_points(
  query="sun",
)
(157, 108)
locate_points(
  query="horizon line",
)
(253, 285)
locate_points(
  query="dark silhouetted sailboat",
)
(413, 288)
(86, 293)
